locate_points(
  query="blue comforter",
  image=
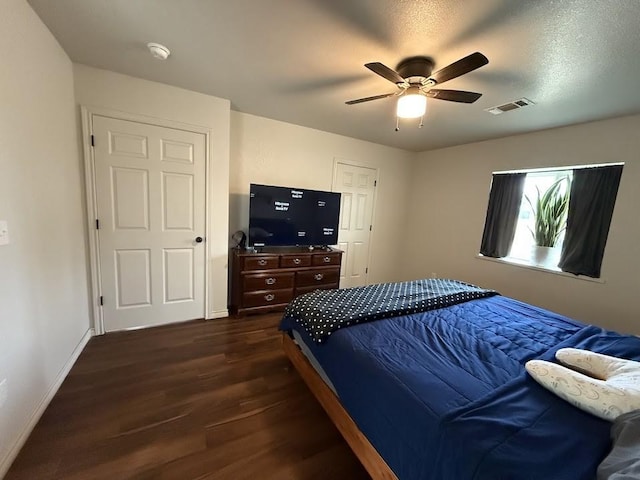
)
(444, 394)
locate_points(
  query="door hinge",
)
(97, 224)
(370, 227)
(101, 300)
(375, 182)
(93, 141)
(366, 270)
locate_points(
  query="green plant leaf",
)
(550, 212)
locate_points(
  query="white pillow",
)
(609, 387)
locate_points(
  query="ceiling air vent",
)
(523, 102)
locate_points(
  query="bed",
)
(436, 390)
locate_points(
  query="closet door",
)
(150, 189)
(357, 186)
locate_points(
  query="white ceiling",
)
(299, 60)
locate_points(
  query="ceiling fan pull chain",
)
(397, 124)
(421, 122)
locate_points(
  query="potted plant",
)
(550, 215)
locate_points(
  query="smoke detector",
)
(159, 51)
(507, 107)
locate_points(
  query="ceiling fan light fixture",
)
(413, 104)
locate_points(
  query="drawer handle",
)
(297, 261)
(262, 262)
(270, 281)
(327, 259)
(269, 297)
(318, 276)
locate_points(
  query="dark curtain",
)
(593, 196)
(502, 214)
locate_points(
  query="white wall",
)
(277, 153)
(450, 194)
(101, 88)
(44, 313)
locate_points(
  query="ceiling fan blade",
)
(368, 99)
(385, 72)
(454, 95)
(462, 66)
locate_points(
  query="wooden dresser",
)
(270, 279)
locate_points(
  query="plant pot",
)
(545, 256)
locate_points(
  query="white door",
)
(150, 196)
(357, 185)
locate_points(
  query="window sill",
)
(524, 264)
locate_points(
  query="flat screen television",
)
(285, 216)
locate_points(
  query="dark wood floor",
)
(198, 400)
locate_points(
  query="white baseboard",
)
(6, 462)
(218, 314)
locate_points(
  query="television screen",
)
(284, 216)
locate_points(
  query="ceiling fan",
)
(415, 81)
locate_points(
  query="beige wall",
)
(277, 153)
(44, 315)
(104, 89)
(450, 194)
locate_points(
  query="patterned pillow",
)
(608, 387)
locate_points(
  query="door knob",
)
(198, 239)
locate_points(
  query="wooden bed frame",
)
(366, 453)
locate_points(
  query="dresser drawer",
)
(267, 281)
(261, 262)
(303, 290)
(327, 259)
(290, 261)
(266, 297)
(317, 277)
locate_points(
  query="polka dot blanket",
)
(322, 312)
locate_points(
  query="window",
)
(524, 248)
(556, 219)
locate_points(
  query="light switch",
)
(4, 233)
